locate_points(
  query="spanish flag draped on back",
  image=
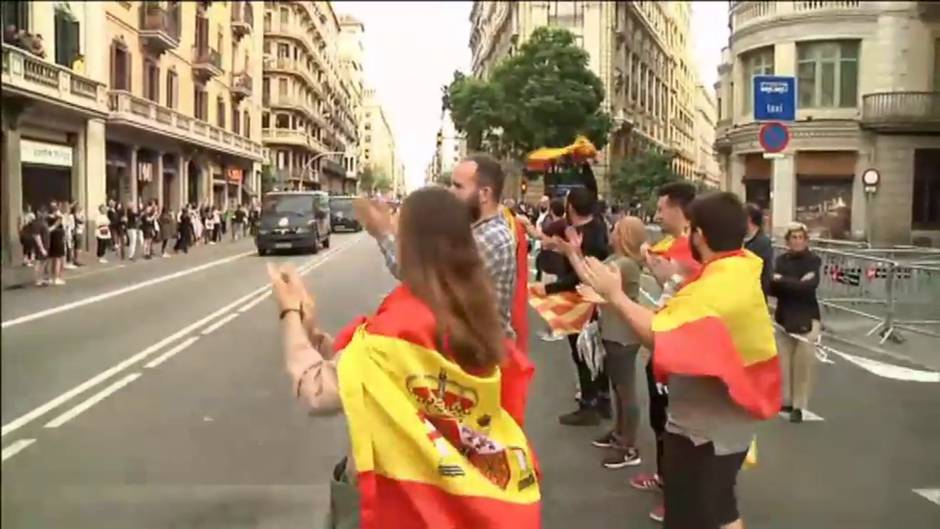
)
(431, 443)
(717, 325)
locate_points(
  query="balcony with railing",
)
(137, 112)
(243, 18)
(160, 26)
(207, 62)
(292, 137)
(332, 167)
(901, 111)
(27, 75)
(242, 85)
(745, 14)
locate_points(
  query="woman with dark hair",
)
(167, 224)
(186, 228)
(419, 383)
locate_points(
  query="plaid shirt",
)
(498, 249)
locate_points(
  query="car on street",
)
(294, 220)
(342, 216)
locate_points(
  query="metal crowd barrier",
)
(898, 288)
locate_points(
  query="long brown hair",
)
(628, 236)
(441, 265)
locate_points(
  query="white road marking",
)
(932, 495)
(890, 371)
(808, 416)
(215, 326)
(124, 290)
(252, 304)
(91, 401)
(16, 448)
(34, 414)
(166, 356)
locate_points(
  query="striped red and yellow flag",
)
(717, 325)
(564, 312)
(431, 444)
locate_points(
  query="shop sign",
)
(145, 171)
(235, 174)
(39, 152)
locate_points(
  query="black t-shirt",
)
(239, 216)
(133, 220)
(594, 243)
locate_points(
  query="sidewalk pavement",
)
(19, 276)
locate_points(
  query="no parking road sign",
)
(774, 137)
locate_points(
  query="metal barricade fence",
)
(897, 288)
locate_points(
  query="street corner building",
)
(130, 101)
(867, 97)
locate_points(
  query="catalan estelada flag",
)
(564, 312)
(431, 444)
(717, 325)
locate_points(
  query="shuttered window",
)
(66, 38)
(120, 67)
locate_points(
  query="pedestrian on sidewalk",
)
(68, 223)
(102, 233)
(133, 230)
(148, 228)
(208, 230)
(713, 343)
(443, 316)
(254, 218)
(168, 229)
(118, 216)
(26, 236)
(238, 222)
(218, 225)
(39, 235)
(195, 216)
(78, 234)
(57, 250)
(794, 284)
(185, 231)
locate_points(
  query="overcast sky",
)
(413, 48)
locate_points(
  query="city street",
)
(155, 396)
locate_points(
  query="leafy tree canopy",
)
(638, 178)
(543, 96)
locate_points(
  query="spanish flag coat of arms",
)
(431, 443)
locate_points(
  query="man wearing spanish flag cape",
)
(713, 344)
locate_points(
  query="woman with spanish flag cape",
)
(715, 336)
(419, 382)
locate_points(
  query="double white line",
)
(247, 301)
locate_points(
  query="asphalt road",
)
(209, 436)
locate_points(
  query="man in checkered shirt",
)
(478, 181)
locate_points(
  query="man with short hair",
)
(758, 243)
(713, 343)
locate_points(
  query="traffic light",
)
(440, 139)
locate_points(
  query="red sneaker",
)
(649, 482)
(659, 513)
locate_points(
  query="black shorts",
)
(698, 485)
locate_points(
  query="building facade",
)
(111, 100)
(379, 152)
(639, 50)
(309, 124)
(707, 171)
(868, 97)
(450, 148)
(184, 123)
(352, 55)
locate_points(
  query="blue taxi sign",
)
(774, 98)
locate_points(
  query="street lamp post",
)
(309, 163)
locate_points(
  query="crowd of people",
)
(709, 345)
(53, 235)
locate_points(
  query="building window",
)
(266, 91)
(151, 80)
(236, 126)
(120, 67)
(66, 37)
(265, 120)
(267, 22)
(246, 123)
(936, 65)
(220, 112)
(201, 103)
(925, 204)
(827, 74)
(285, 17)
(172, 88)
(757, 62)
(283, 121)
(282, 87)
(15, 14)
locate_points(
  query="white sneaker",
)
(165, 255)
(69, 266)
(103, 261)
(58, 282)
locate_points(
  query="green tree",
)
(367, 179)
(638, 178)
(268, 180)
(544, 95)
(383, 183)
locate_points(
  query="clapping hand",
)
(604, 279)
(661, 268)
